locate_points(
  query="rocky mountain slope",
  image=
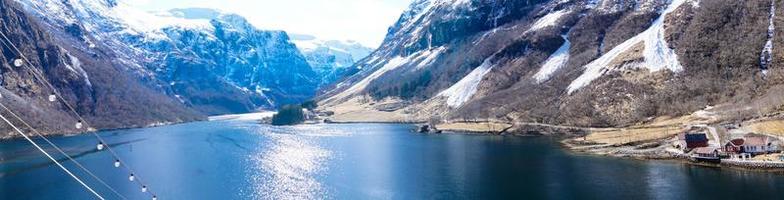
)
(331, 59)
(122, 67)
(213, 62)
(597, 63)
(99, 88)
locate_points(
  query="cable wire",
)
(39, 75)
(52, 158)
(40, 135)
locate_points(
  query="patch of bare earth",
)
(773, 127)
(650, 140)
(364, 109)
(474, 127)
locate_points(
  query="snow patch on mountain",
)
(76, 67)
(330, 59)
(307, 44)
(554, 62)
(421, 58)
(392, 64)
(151, 25)
(551, 19)
(463, 90)
(419, 10)
(427, 57)
(657, 54)
(767, 51)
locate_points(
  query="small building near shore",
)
(707, 152)
(734, 146)
(754, 144)
(695, 140)
(688, 141)
(758, 144)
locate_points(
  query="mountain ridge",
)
(123, 68)
(194, 59)
(519, 61)
(331, 59)
(86, 77)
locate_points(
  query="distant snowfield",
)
(658, 56)
(463, 90)
(243, 117)
(135, 21)
(152, 24)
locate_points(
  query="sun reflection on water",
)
(289, 168)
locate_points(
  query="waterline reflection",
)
(289, 168)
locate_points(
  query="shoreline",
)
(568, 141)
(62, 134)
(646, 150)
(617, 151)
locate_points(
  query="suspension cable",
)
(52, 158)
(39, 75)
(40, 135)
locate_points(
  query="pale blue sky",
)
(365, 21)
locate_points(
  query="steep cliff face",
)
(263, 67)
(579, 62)
(214, 62)
(99, 89)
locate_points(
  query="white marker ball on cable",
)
(52, 97)
(154, 197)
(99, 146)
(117, 163)
(144, 189)
(78, 125)
(131, 178)
(18, 62)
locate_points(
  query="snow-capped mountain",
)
(331, 59)
(86, 75)
(212, 61)
(577, 62)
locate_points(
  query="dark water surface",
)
(244, 160)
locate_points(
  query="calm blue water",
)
(244, 160)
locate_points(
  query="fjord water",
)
(246, 160)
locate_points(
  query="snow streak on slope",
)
(767, 51)
(421, 58)
(555, 62)
(76, 67)
(463, 90)
(427, 57)
(551, 19)
(657, 54)
(394, 63)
